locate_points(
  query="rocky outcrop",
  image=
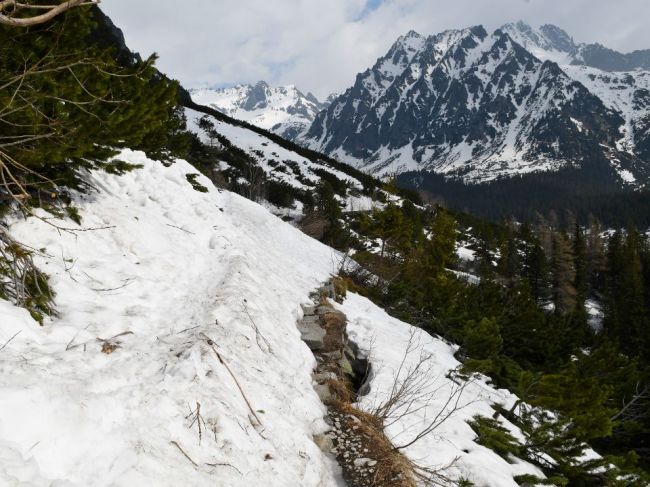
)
(356, 438)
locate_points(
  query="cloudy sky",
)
(320, 45)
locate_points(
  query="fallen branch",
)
(224, 465)
(184, 454)
(258, 334)
(9, 341)
(241, 390)
(198, 419)
(181, 229)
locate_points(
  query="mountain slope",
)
(284, 110)
(102, 395)
(107, 393)
(477, 107)
(623, 86)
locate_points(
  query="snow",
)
(466, 254)
(265, 150)
(595, 314)
(286, 107)
(196, 296)
(385, 341)
(165, 268)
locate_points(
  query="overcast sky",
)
(320, 45)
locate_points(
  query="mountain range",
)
(473, 106)
(478, 106)
(285, 110)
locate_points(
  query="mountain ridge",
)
(479, 106)
(284, 110)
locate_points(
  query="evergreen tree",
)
(581, 281)
(389, 226)
(482, 339)
(563, 268)
(596, 258)
(626, 320)
(67, 103)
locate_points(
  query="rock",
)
(324, 442)
(310, 320)
(333, 356)
(346, 366)
(324, 377)
(323, 392)
(312, 334)
(308, 309)
(365, 462)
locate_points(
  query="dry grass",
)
(334, 325)
(393, 469)
(341, 286)
(341, 389)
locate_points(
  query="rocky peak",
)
(558, 38)
(257, 97)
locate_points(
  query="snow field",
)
(385, 340)
(166, 268)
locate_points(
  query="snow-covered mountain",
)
(284, 110)
(478, 106)
(551, 42)
(621, 81)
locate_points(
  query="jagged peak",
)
(560, 38)
(548, 37)
(412, 34)
(412, 40)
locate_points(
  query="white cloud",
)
(321, 45)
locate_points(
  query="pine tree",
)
(626, 318)
(563, 268)
(482, 339)
(581, 281)
(596, 258)
(391, 227)
(67, 103)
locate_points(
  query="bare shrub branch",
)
(16, 14)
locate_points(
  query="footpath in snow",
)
(176, 360)
(170, 267)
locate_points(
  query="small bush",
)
(492, 435)
(21, 283)
(191, 178)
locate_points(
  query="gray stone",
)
(333, 356)
(323, 377)
(308, 309)
(312, 334)
(323, 392)
(310, 320)
(346, 366)
(324, 442)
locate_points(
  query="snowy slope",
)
(284, 110)
(625, 92)
(386, 340)
(106, 394)
(268, 153)
(169, 267)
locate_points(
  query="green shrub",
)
(492, 435)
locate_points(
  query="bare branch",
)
(9, 9)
